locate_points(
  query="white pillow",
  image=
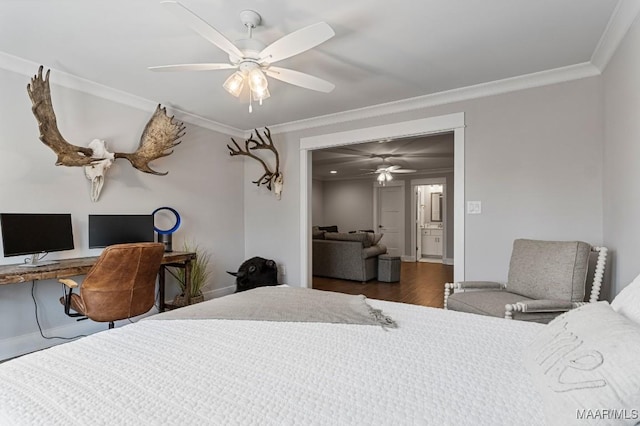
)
(585, 364)
(627, 302)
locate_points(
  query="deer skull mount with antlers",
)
(273, 180)
(160, 135)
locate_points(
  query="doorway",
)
(429, 220)
(426, 126)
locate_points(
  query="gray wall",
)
(348, 204)
(533, 157)
(317, 209)
(621, 81)
(204, 184)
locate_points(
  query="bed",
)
(436, 368)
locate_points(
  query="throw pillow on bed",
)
(585, 364)
(627, 302)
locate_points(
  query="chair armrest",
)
(478, 285)
(470, 285)
(68, 282)
(541, 305)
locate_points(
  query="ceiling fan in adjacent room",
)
(385, 171)
(251, 58)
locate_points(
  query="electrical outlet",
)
(474, 207)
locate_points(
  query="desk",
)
(65, 268)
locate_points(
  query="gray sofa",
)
(346, 256)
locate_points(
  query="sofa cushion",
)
(317, 235)
(342, 236)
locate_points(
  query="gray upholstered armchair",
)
(546, 278)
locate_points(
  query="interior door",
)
(391, 218)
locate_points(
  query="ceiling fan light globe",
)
(234, 84)
(388, 175)
(261, 95)
(257, 80)
(381, 177)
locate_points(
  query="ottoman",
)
(388, 268)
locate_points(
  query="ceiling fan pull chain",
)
(250, 106)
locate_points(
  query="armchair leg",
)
(111, 325)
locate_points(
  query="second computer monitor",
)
(109, 229)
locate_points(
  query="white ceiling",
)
(383, 51)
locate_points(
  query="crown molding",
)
(512, 84)
(70, 81)
(623, 16)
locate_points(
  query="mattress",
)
(437, 368)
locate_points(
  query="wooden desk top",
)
(11, 274)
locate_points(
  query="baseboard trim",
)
(219, 292)
(447, 261)
(32, 342)
(406, 258)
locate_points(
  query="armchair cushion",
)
(489, 302)
(493, 303)
(549, 269)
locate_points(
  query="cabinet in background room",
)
(432, 242)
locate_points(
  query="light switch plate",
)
(474, 207)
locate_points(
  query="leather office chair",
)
(546, 278)
(120, 285)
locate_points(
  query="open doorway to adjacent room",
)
(342, 200)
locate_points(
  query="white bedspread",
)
(438, 368)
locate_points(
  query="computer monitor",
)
(109, 229)
(34, 234)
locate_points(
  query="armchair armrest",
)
(470, 285)
(541, 305)
(478, 285)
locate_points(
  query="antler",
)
(267, 145)
(68, 154)
(268, 175)
(160, 134)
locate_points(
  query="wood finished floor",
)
(420, 284)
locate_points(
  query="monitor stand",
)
(35, 262)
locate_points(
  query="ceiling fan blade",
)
(301, 79)
(193, 67)
(392, 168)
(202, 28)
(403, 171)
(296, 42)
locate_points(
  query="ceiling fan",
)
(385, 171)
(251, 58)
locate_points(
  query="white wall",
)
(204, 184)
(621, 81)
(533, 157)
(348, 204)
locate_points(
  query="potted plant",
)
(200, 275)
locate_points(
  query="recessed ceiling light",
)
(333, 172)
